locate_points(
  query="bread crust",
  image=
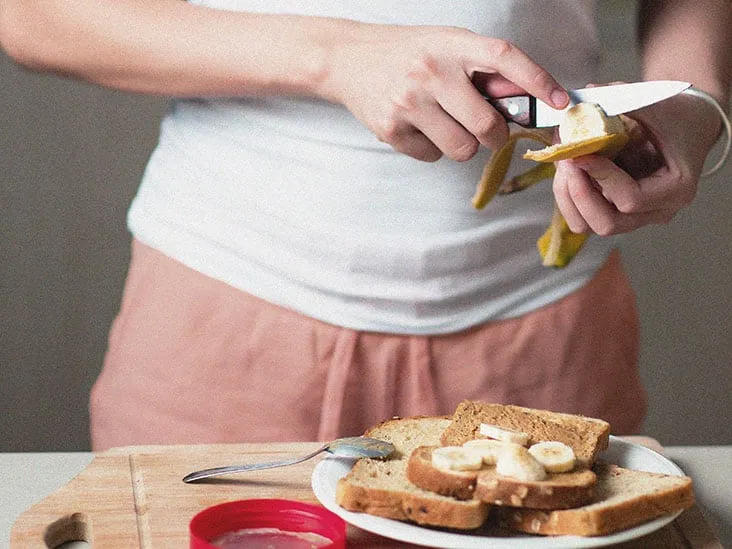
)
(558, 491)
(422, 509)
(604, 517)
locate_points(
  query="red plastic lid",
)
(260, 514)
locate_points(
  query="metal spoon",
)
(353, 447)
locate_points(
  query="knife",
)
(530, 112)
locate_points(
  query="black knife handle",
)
(520, 109)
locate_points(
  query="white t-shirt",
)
(294, 201)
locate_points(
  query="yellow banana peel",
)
(530, 177)
(497, 167)
(608, 145)
(558, 245)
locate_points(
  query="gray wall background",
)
(71, 157)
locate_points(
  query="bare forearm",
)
(410, 85)
(688, 40)
(169, 47)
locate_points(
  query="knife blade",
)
(530, 112)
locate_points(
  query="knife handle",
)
(520, 109)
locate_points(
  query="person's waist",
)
(378, 282)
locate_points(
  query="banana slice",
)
(488, 449)
(518, 463)
(456, 458)
(555, 456)
(506, 435)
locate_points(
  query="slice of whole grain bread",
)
(623, 498)
(586, 436)
(381, 487)
(557, 491)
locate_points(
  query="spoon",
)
(353, 447)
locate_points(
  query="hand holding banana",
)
(601, 185)
(649, 181)
(585, 130)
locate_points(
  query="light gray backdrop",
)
(71, 156)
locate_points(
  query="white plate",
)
(626, 454)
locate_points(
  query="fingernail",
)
(559, 98)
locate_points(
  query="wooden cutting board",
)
(133, 498)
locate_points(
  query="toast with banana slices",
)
(513, 456)
(620, 499)
(555, 491)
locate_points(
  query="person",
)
(305, 258)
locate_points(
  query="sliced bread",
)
(557, 491)
(381, 487)
(624, 498)
(586, 436)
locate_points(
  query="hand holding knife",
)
(530, 112)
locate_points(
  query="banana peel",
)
(530, 177)
(497, 167)
(608, 145)
(558, 245)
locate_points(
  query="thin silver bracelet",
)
(725, 123)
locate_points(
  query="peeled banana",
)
(586, 121)
(585, 130)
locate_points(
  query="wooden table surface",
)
(134, 498)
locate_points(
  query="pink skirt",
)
(193, 360)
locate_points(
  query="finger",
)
(575, 221)
(474, 113)
(605, 221)
(615, 185)
(415, 144)
(601, 216)
(598, 213)
(658, 191)
(515, 65)
(445, 132)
